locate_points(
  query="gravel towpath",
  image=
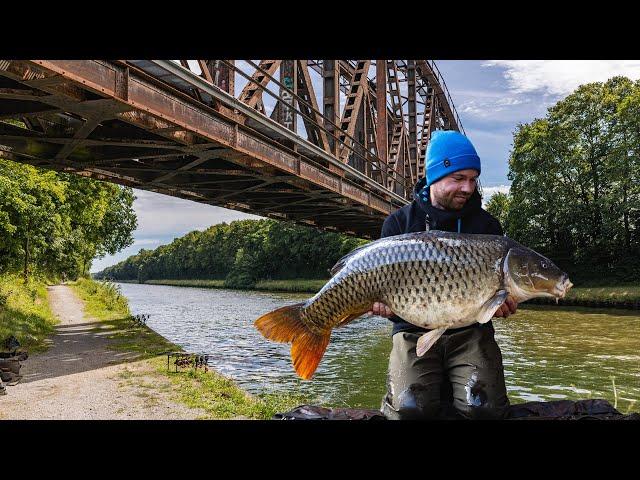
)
(79, 377)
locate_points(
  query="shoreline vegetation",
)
(25, 312)
(294, 286)
(210, 391)
(622, 296)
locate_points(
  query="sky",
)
(491, 98)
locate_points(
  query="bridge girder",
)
(178, 128)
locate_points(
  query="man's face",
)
(453, 191)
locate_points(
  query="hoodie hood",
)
(473, 205)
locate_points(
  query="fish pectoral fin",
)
(426, 341)
(491, 305)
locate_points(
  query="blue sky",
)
(491, 98)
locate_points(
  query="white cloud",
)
(561, 77)
(145, 241)
(489, 106)
(165, 215)
(489, 192)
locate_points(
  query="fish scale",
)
(401, 272)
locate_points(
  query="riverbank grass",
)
(217, 395)
(301, 285)
(104, 302)
(188, 283)
(221, 398)
(25, 312)
(621, 293)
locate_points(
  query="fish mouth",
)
(562, 287)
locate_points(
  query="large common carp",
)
(435, 280)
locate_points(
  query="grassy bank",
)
(217, 395)
(620, 293)
(621, 296)
(296, 285)
(301, 285)
(25, 312)
(221, 398)
(189, 283)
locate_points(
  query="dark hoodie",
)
(414, 217)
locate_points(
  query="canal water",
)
(549, 353)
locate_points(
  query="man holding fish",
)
(464, 369)
(441, 271)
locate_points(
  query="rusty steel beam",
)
(352, 108)
(285, 133)
(344, 71)
(360, 135)
(252, 92)
(428, 125)
(425, 70)
(177, 124)
(331, 100)
(381, 110)
(413, 126)
(310, 108)
(81, 134)
(188, 166)
(224, 77)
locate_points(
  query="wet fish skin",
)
(435, 280)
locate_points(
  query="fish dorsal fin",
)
(343, 261)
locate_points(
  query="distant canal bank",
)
(622, 296)
(549, 353)
(301, 285)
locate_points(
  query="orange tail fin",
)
(285, 325)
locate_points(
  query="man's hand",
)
(509, 307)
(381, 309)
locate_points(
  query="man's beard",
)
(454, 202)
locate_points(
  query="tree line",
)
(54, 224)
(575, 192)
(241, 253)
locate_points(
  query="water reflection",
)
(548, 353)
(577, 353)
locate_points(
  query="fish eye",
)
(543, 264)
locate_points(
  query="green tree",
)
(498, 206)
(241, 253)
(53, 223)
(102, 219)
(575, 193)
(30, 218)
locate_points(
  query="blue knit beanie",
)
(449, 151)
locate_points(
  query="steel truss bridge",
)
(334, 144)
